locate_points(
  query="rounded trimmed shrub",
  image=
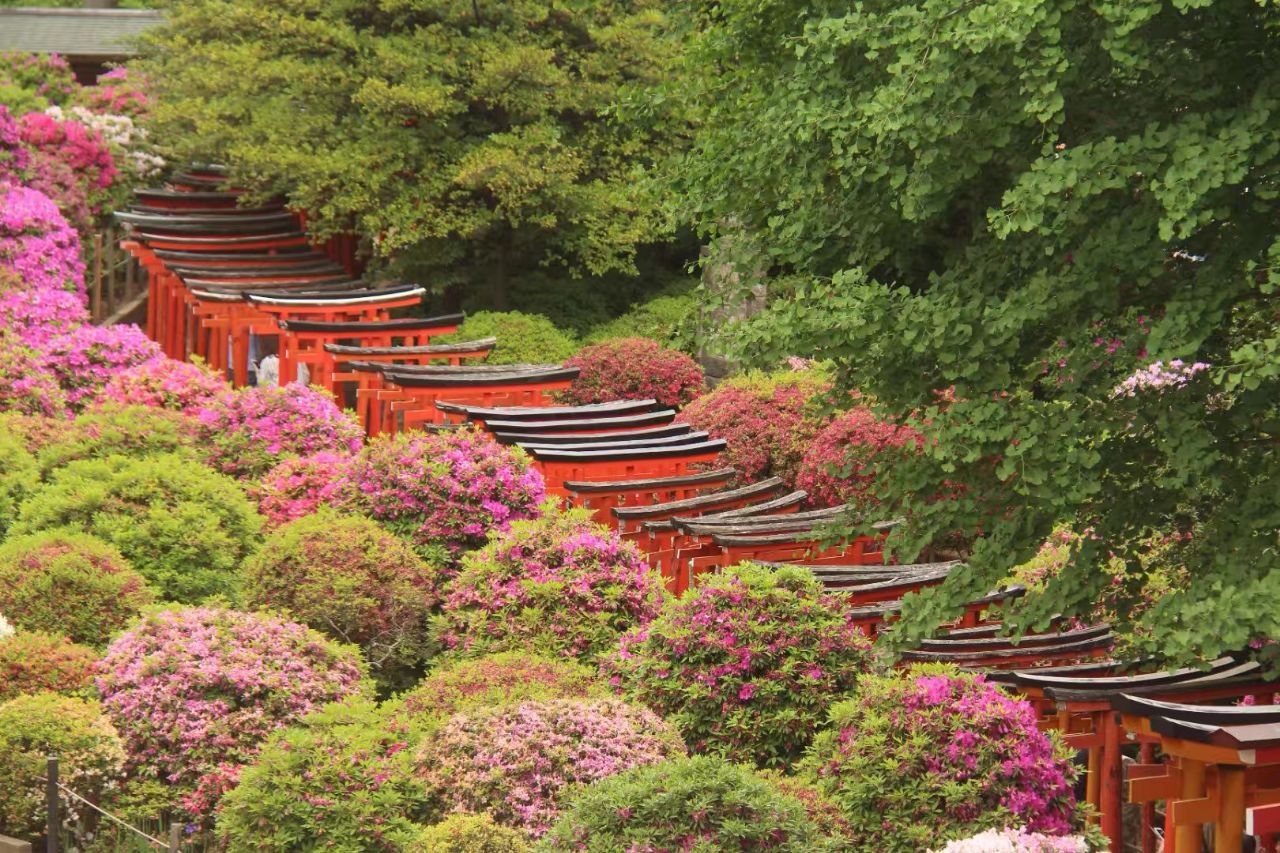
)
(500, 679)
(166, 383)
(469, 833)
(67, 582)
(196, 689)
(448, 489)
(114, 430)
(90, 758)
(699, 803)
(516, 762)
(181, 526)
(301, 485)
(844, 460)
(935, 754)
(18, 476)
(32, 662)
(349, 578)
(768, 421)
(87, 357)
(522, 338)
(35, 315)
(747, 665)
(340, 778)
(36, 241)
(669, 318)
(27, 385)
(633, 369)
(559, 585)
(248, 431)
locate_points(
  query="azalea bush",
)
(118, 430)
(119, 91)
(181, 526)
(301, 485)
(69, 162)
(166, 383)
(349, 578)
(32, 662)
(33, 81)
(633, 369)
(27, 385)
(250, 430)
(193, 690)
(90, 759)
(69, 583)
(1017, 841)
(35, 432)
(18, 476)
(935, 754)
(768, 421)
(559, 584)
(87, 357)
(36, 241)
(699, 803)
(515, 762)
(499, 679)
(522, 338)
(449, 489)
(469, 833)
(849, 455)
(34, 315)
(342, 777)
(746, 665)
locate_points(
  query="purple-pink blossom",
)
(1159, 376)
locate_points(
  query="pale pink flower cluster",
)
(1158, 376)
(1017, 841)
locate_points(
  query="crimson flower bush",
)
(166, 383)
(917, 759)
(196, 689)
(349, 578)
(515, 762)
(747, 665)
(250, 430)
(69, 162)
(768, 421)
(36, 241)
(86, 358)
(559, 585)
(449, 488)
(33, 662)
(301, 485)
(498, 679)
(70, 583)
(845, 459)
(633, 369)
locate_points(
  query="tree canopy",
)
(1045, 233)
(466, 138)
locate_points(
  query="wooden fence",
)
(117, 284)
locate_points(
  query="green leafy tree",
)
(468, 139)
(1027, 226)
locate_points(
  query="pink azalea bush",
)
(36, 241)
(302, 485)
(845, 459)
(633, 369)
(27, 385)
(934, 754)
(768, 420)
(449, 489)
(1017, 841)
(37, 315)
(560, 585)
(119, 92)
(747, 665)
(47, 77)
(87, 357)
(516, 762)
(196, 689)
(1159, 376)
(250, 430)
(70, 163)
(165, 383)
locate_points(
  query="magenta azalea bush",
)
(70, 163)
(87, 357)
(302, 485)
(250, 430)
(36, 241)
(35, 315)
(846, 458)
(27, 386)
(767, 420)
(165, 383)
(633, 369)
(934, 755)
(559, 585)
(449, 489)
(195, 689)
(516, 762)
(747, 665)
(117, 92)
